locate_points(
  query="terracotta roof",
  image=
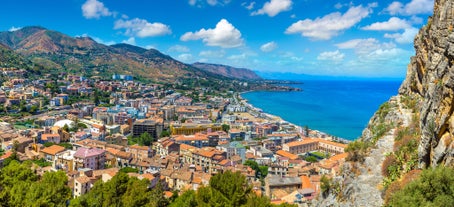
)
(306, 182)
(52, 150)
(287, 154)
(338, 157)
(83, 179)
(304, 142)
(139, 147)
(46, 136)
(148, 176)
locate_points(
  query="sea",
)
(340, 108)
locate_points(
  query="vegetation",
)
(22, 187)
(42, 162)
(144, 139)
(311, 158)
(129, 170)
(435, 187)
(122, 190)
(227, 189)
(357, 150)
(261, 171)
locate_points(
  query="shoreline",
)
(299, 129)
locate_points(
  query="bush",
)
(435, 187)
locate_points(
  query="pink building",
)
(92, 158)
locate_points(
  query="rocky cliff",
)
(414, 130)
(430, 76)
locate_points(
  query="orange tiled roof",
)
(52, 150)
(284, 153)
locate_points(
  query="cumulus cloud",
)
(394, 23)
(13, 28)
(404, 38)
(331, 25)
(100, 41)
(333, 56)
(268, 47)
(212, 54)
(178, 48)
(93, 9)
(364, 46)
(142, 28)
(131, 41)
(274, 7)
(249, 6)
(224, 35)
(200, 3)
(412, 8)
(186, 57)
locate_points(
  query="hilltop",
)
(82, 55)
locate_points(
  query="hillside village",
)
(92, 128)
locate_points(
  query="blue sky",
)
(317, 37)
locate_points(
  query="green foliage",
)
(311, 158)
(165, 133)
(66, 145)
(48, 144)
(225, 127)
(187, 199)
(42, 162)
(435, 187)
(129, 170)
(325, 185)
(144, 139)
(21, 187)
(357, 150)
(122, 190)
(260, 170)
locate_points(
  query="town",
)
(92, 128)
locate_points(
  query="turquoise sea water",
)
(338, 107)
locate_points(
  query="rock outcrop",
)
(430, 76)
(425, 102)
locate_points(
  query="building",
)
(139, 152)
(92, 158)
(277, 183)
(197, 140)
(147, 125)
(309, 144)
(190, 128)
(49, 153)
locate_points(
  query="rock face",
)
(430, 85)
(430, 76)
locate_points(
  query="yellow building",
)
(188, 129)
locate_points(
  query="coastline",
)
(311, 132)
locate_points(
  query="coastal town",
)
(93, 128)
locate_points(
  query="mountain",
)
(82, 55)
(228, 71)
(411, 132)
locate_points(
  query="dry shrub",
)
(390, 160)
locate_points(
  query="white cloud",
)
(99, 40)
(131, 41)
(249, 6)
(412, 8)
(338, 6)
(331, 25)
(242, 56)
(186, 57)
(212, 54)
(13, 28)
(200, 3)
(394, 23)
(364, 46)
(178, 48)
(268, 47)
(142, 28)
(333, 56)
(274, 7)
(404, 38)
(223, 35)
(93, 9)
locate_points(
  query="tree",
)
(325, 185)
(145, 139)
(225, 127)
(129, 170)
(187, 199)
(65, 128)
(435, 187)
(51, 190)
(165, 133)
